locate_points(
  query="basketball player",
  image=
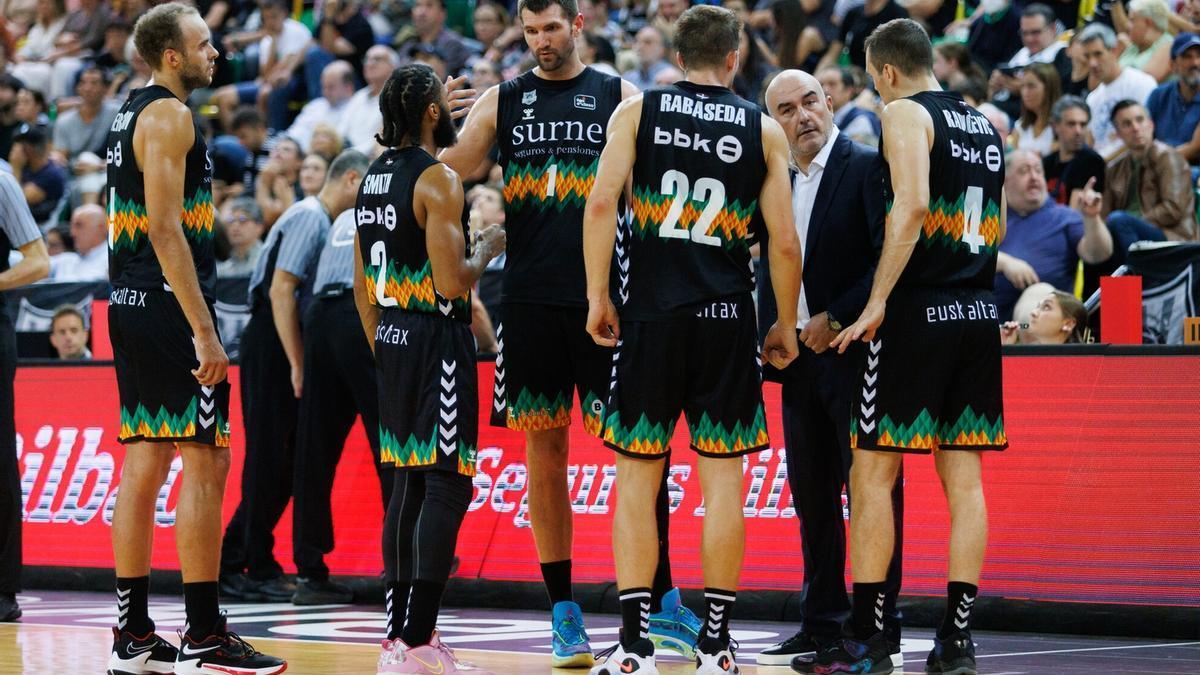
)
(549, 126)
(170, 363)
(413, 274)
(703, 161)
(932, 381)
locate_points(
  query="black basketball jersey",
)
(696, 182)
(395, 261)
(132, 262)
(550, 134)
(959, 238)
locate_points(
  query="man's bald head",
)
(337, 82)
(798, 102)
(88, 228)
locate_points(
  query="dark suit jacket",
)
(845, 237)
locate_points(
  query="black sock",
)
(557, 576)
(720, 606)
(867, 614)
(960, 600)
(396, 603)
(635, 615)
(133, 610)
(662, 517)
(423, 603)
(202, 608)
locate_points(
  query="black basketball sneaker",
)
(223, 652)
(953, 656)
(140, 655)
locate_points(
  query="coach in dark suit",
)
(839, 211)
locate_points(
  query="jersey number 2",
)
(709, 190)
(379, 259)
(972, 219)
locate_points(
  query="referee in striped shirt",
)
(272, 381)
(337, 356)
(17, 230)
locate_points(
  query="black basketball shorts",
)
(428, 405)
(546, 356)
(705, 365)
(155, 355)
(932, 378)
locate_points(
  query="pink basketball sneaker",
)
(392, 657)
(434, 658)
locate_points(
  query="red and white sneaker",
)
(140, 655)
(434, 658)
(391, 657)
(224, 653)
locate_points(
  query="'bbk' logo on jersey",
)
(528, 97)
(585, 102)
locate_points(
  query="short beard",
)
(195, 78)
(558, 60)
(444, 134)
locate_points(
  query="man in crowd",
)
(42, 179)
(89, 231)
(337, 86)
(84, 129)
(69, 335)
(244, 228)
(651, 47)
(843, 86)
(361, 119)
(1175, 106)
(1045, 240)
(429, 28)
(1117, 83)
(1074, 164)
(1147, 191)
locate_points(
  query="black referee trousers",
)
(269, 411)
(818, 392)
(10, 482)
(339, 385)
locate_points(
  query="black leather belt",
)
(333, 291)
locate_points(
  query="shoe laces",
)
(688, 619)
(239, 646)
(607, 653)
(571, 631)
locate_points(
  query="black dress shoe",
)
(238, 587)
(276, 589)
(321, 592)
(9, 609)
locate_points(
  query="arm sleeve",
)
(15, 218)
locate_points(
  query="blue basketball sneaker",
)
(676, 627)
(569, 638)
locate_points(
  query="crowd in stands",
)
(1099, 102)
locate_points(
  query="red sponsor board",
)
(1097, 499)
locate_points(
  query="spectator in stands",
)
(69, 335)
(342, 34)
(278, 184)
(598, 22)
(1150, 43)
(754, 67)
(1148, 190)
(593, 50)
(995, 35)
(973, 91)
(843, 86)
(361, 119)
(236, 165)
(9, 88)
(651, 46)
(1116, 83)
(1059, 319)
(429, 28)
(485, 74)
(85, 129)
(1079, 82)
(1074, 164)
(113, 57)
(1045, 240)
(430, 56)
(244, 229)
(818, 32)
(997, 117)
(40, 39)
(1039, 40)
(1175, 106)
(89, 231)
(337, 86)
(43, 180)
(31, 108)
(1040, 88)
(82, 36)
(89, 182)
(858, 23)
(326, 142)
(280, 43)
(952, 64)
(666, 13)
(312, 173)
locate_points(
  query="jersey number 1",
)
(972, 218)
(709, 190)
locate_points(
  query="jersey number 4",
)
(709, 190)
(972, 219)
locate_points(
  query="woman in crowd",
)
(312, 173)
(1040, 88)
(31, 107)
(1059, 319)
(952, 64)
(1150, 43)
(39, 41)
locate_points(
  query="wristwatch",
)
(833, 323)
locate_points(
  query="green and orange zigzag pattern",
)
(530, 412)
(527, 184)
(731, 225)
(709, 437)
(417, 452)
(944, 224)
(166, 426)
(925, 432)
(411, 289)
(128, 224)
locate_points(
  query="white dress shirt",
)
(804, 194)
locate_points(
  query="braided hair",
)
(405, 96)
